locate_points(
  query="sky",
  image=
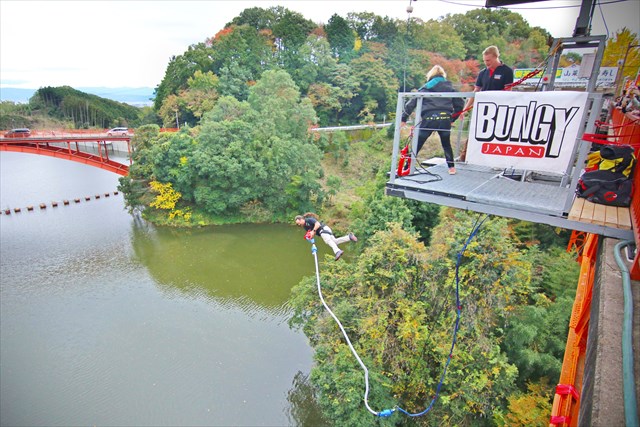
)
(129, 43)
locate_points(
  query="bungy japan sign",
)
(535, 131)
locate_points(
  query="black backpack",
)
(605, 187)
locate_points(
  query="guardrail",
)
(86, 132)
(566, 401)
(347, 128)
(626, 127)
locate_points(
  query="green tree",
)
(440, 37)
(135, 186)
(363, 24)
(397, 303)
(188, 105)
(173, 162)
(277, 100)
(474, 34)
(257, 18)
(341, 37)
(243, 50)
(248, 152)
(317, 64)
(378, 87)
(384, 29)
(174, 110)
(202, 92)
(234, 81)
(330, 99)
(480, 28)
(180, 69)
(536, 335)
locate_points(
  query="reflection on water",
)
(108, 321)
(246, 265)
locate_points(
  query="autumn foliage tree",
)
(326, 62)
(623, 44)
(397, 302)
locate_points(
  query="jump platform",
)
(537, 198)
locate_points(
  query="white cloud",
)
(130, 43)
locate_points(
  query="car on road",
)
(18, 133)
(118, 131)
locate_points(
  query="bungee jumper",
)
(313, 226)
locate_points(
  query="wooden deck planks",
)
(576, 209)
(610, 216)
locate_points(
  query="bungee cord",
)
(388, 412)
(314, 251)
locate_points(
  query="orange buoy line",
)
(54, 204)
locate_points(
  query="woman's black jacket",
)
(452, 106)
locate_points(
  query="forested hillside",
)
(82, 109)
(351, 68)
(56, 107)
(249, 95)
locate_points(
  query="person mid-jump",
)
(313, 227)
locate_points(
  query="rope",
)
(314, 250)
(388, 412)
(475, 230)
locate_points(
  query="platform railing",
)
(570, 176)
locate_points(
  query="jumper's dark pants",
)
(440, 123)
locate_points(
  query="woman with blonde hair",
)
(437, 113)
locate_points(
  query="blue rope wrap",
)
(475, 230)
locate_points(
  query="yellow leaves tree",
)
(167, 198)
(623, 44)
(527, 409)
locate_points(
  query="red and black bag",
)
(605, 187)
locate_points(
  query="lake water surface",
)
(108, 320)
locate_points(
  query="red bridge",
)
(88, 147)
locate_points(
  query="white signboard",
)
(535, 131)
(570, 76)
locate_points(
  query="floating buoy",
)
(87, 198)
(43, 206)
(16, 210)
(106, 194)
(76, 200)
(7, 211)
(97, 196)
(115, 193)
(29, 208)
(54, 204)
(65, 202)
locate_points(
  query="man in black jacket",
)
(437, 113)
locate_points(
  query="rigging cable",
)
(388, 412)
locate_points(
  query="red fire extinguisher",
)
(404, 164)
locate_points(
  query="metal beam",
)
(556, 221)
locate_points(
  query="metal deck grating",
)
(486, 185)
(486, 190)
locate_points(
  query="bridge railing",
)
(566, 401)
(626, 127)
(84, 132)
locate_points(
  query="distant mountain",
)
(137, 96)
